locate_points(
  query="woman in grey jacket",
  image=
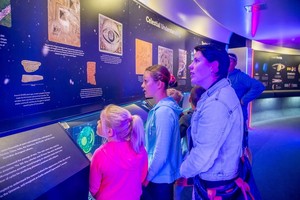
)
(216, 125)
(162, 136)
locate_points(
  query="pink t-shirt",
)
(117, 172)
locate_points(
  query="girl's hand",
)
(145, 183)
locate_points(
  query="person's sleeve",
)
(144, 165)
(183, 125)
(164, 128)
(207, 141)
(95, 173)
(255, 88)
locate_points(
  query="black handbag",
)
(243, 187)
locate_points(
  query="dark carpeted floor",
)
(275, 149)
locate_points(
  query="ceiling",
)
(275, 22)
(272, 22)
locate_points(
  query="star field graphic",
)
(80, 63)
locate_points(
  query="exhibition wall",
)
(60, 54)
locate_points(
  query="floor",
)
(275, 147)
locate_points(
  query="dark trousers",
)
(158, 191)
(245, 135)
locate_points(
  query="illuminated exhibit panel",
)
(42, 163)
(278, 72)
(83, 129)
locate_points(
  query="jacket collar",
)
(220, 84)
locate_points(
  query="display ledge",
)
(23, 123)
(27, 122)
(279, 93)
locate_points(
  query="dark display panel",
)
(45, 163)
(140, 108)
(278, 72)
(58, 54)
(38, 163)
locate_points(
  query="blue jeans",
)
(158, 191)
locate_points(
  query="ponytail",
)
(137, 138)
(127, 127)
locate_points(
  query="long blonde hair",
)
(126, 127)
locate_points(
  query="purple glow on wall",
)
(254, 21)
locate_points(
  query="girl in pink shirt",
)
(119, 166)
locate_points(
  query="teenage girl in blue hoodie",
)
(162, 136)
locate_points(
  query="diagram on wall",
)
(5, 13)
(91, 72)
(64, 22)
(143, 55)
(182, 60)
(165, 57)
(277, 71)
(30, 67)
(110, 36)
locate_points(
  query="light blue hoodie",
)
(163, 141)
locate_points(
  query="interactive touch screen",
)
(85, 135)
(83, 130)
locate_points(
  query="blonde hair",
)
(176, 94)
(126, 127)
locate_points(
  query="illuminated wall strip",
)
(252, 70)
